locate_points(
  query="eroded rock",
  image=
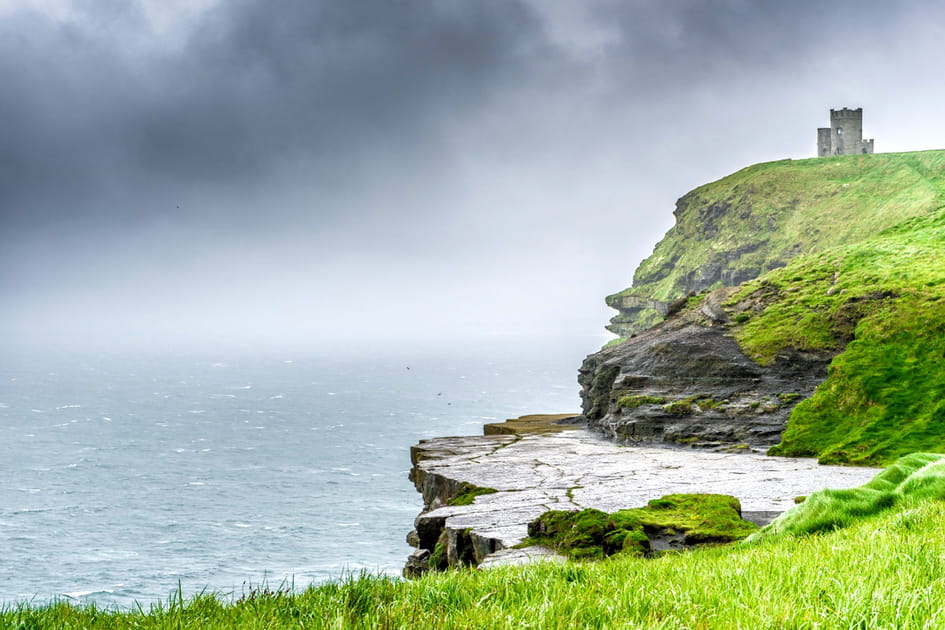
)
(577, 469)
(686, 381)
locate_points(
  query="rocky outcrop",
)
(726, 266)
(440, 545)
(686, 381)
(576, 469)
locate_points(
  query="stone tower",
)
(845, 134)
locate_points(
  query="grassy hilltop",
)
(758, 219)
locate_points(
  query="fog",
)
(297, 173)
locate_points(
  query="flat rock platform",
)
(575, 468)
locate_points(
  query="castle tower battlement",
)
(847, 113)
(844, 136)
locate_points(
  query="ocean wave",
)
(81, 594)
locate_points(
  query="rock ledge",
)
(576, 469)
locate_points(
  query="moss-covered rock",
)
(468, 492)
(533, 424)
(687, 381)
(673, 521)
(632, 402)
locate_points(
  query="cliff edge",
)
(838, 351)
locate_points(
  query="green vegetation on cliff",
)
(842, 258)
(759, 218)
(468, 492)
(881, 301)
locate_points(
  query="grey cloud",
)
(686, 44)
(494, 156)
(255, 87)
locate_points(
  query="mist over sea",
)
(124, 475)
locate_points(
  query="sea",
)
(129, 478)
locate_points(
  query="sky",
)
(302, 172)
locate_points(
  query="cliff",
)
(688, 381)
(758, 219)
(804, 316)
(831, 341)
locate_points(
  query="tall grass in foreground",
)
(884, 572)
(911, 480)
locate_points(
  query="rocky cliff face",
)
(686, 381)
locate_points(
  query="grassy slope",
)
(883, 397)
(913, 479)
(883, 572)
(788, 207)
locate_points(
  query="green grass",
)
(761, 217)
(913, 479)
(468, 492)
(883, 572)
(591, 534)
(881, 301)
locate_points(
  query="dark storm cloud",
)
(93, 117)
(255, 86)
(272, 79)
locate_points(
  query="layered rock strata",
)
(575, 469)
(686, 381)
